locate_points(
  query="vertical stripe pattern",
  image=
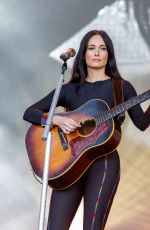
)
(99, 194)
(111, 197)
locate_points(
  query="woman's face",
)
(96, 55)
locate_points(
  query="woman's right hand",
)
(65, 123)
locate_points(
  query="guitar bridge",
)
(63, 139)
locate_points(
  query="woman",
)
(93, 71)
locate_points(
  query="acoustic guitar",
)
(73, 153)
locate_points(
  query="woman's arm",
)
(35, 112)
(140, 118)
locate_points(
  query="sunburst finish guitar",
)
(72, 154)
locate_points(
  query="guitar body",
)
(72, 154)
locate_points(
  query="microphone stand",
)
(47, 136)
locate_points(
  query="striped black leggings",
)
(97, 187)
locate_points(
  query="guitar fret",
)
(109, 115)
(113, 113)
(123, 107)
(104, 116)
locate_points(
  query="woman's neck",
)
(96, 75)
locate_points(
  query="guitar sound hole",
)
(88, 125)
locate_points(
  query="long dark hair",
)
(79, 71)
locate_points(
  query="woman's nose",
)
(97, 52)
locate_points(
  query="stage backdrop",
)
(33, 33)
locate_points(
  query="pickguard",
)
(79, 144)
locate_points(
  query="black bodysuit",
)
(99, 183)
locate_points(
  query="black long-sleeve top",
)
(72, 97)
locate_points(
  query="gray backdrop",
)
(29, 31)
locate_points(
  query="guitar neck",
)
(107, 115)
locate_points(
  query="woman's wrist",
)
(55, 120)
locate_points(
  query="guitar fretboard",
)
(107, 115)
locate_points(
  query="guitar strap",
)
(118, 96)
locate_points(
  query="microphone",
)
(68, 54)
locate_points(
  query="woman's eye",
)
(103, 48)
(90, 48)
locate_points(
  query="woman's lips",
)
(96, 60)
